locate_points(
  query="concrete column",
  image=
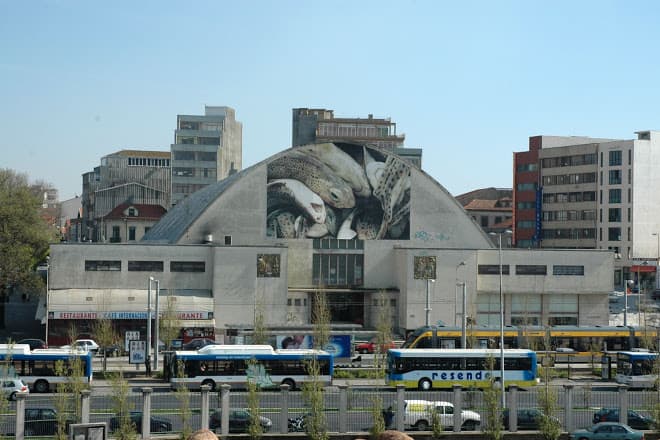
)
(400, 407)
(623, 404)
(84, 405)
(205, 406)
(458, 406)
(224, 402)
(513, 408)
(20, 416)
(284, 404)
(343, 408)
(568, 409)
(146, 412)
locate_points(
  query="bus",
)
(237, 364)
(582, 340)
(637, 369)
(424, 368)
(37, 368)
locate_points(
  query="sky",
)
(468, 82)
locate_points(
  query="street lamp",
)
(464, 317)
(657, 261)
(499, 253)
(148, 360)
(157, 338)
(428, 299)
(47, 295)
(462, 263)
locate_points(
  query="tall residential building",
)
(206, 148)
(588, 193)
(127, 176)
(317, 126)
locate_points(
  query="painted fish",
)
(345, 231)
(342, 164)
(281, 224)
(315, 175)
(293, 193)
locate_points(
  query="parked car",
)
(33, 343)
(83, 345)
(42, 421)
(372, 346)
(635, 419)
(528, 419)
(156, 424)
(13, 385)
(418, 415)
(607, 431)
(239, 421)
(197, 343)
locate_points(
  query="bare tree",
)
(169, 324)
(492, 398)
(122, 406)
(106, 336)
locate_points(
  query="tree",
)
(492, 399)
(169, 324)
(24, 236)
(122, 406)
(105, 335)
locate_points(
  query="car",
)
(655, 294)
(635, 419)
(197, 343)
(419, 413)
(239, 421)
(372, 346)
(156, 424)
(43, 421)
(33, 343)
(607, 430)
(11, 386)
(528, 419)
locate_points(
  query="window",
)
(568, 270)
(615, 195)
(337, 269)
(615, 177)
(146, 229)
(531, 269)
(525, 167)
(615, 158)
(268, 265)
(484, 221)
(145, 266)
(526, 224)
(131, 233)
(614, 234)
(187, 266)
(183, 155)
(526, 187)
(132, 212)
(614, 214)
(492, 269)
(102, 265)
(208, 156)
(527, 205)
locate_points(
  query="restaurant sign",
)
(124, 315)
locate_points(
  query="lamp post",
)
(428, 299)
(499, 254)
(462, 263)
(657, 261)
(464, 317)
(47, 295)
(148, 360)
(157, 338)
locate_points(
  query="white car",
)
(11, 386)
(83, 345)
(419, 415)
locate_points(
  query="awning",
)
(197, 323)
(644, 268)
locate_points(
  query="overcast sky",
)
(468, 82)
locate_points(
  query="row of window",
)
(569, 179)
(196, 125)
(526, 167)
(567, 197)
(144, 266)
(358, 130)
(337, 269)
(186, 188)
(569, 161)
(201, 156)
(194, 172)
(557, 216)
(197, 140)
(569, 234)
(531, 269)
(148, 162)
(333, 243)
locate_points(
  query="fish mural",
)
(340, 191)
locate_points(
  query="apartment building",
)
(317, 126)
(589, 193)
(126, 176)
(206, 148)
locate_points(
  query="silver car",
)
(13, 385)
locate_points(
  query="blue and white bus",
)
(235, 365)
(425, 369)
(637, 369)
(37, 367)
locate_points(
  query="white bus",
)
(214, 365)
(426, 368)
(637, 369)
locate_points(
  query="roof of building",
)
(491, 193)
(144, 212)
(142, 153)
(489, 205)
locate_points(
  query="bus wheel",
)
(290, 382)
(425, 384)
(41, 386)
(210, 383)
